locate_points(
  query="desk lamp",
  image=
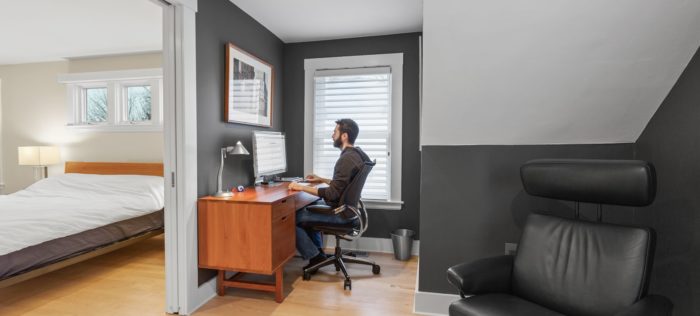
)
(39, 157)
(233, 150)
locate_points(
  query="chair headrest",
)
(619, 182)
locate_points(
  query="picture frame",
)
(249, 88)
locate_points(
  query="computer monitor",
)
(269, 154)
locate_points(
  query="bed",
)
(92, 209)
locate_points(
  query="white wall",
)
(34, 113)
(550, 71)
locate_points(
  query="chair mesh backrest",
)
(352, 194)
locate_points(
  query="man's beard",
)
(337, 143)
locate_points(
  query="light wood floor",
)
(388, 294)
(130, 281)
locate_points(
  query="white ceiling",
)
(550, 71)
(49, 30)
(314, 20)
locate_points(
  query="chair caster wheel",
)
(347, 285)
(307, 276)
(376, 269)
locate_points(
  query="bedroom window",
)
(115, 101)
(95, 105)
(138, 103)
(367, 89)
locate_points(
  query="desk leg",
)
(279, 280)
(220, 290)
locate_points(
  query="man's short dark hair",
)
(350, 127)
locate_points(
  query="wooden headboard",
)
(146, 169)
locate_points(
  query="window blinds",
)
(364, 95)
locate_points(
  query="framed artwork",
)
(248, 96)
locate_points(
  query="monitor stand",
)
(269, 180)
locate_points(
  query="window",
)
(115, 101)
(363, 95)
(366, 89)
(95, 105)
(138, 103)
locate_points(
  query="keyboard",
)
(291, 179)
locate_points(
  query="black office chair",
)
(352, 208)
(570, 267)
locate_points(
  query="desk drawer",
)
(283, 238)
(282, 208)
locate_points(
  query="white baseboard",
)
(369, 244)
(429, 303)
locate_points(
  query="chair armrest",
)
(488, 275)
(651, 305)
(347, 212)
(320, 209)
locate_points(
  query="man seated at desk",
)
(309, 242)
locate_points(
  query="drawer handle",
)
(283, 201)
(284, 218)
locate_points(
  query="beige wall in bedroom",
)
(33, 106)
(2, 178)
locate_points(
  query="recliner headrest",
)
(620, 182)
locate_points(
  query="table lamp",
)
(39, 157)
(233, 150)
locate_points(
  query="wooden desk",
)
(251, 232)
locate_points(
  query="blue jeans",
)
(308, 240)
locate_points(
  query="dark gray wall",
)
(220, 22)
(381, 222)
(472, 202)
(671, 141)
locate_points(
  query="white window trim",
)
(116, 83)
(395, 61)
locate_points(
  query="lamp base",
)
(223, 194)
(40, 172)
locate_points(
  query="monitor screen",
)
(269, 154)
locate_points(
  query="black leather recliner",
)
(570, 267)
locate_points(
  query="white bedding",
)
(67, 204)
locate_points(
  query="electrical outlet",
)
(511, 248)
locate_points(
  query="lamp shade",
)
(38, 155)
(239, 149)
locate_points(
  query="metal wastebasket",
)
(402, 240)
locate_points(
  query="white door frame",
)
(169, 159)
(183, 293)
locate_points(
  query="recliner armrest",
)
(651, 305)
(488, 275)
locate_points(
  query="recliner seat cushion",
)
(581, 268)
(498, 304)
